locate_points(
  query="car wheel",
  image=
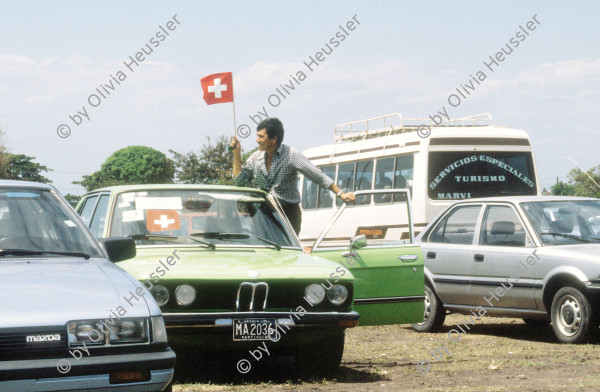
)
(573, 319)
(322, 358)
(536, 322)
(434, 315)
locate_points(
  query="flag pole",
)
(233, 103)
(234, 123)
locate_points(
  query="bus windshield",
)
(469, 174)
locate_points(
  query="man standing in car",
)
(274, 168)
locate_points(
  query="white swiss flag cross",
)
(218, 88)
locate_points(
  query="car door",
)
(499, 276)
(448, 252)
(388, 270)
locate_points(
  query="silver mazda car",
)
(536, 258)
(70, 319)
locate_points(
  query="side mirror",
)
(119, 249)
(358, 242)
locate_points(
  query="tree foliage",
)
(3, 156)
(212, 165)
(579, 184)
(131, 165)
(72, 199)
(22, 167)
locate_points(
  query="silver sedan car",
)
(536, 258)
(71, 320)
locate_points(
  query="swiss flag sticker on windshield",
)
(159, 220)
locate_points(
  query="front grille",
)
(252, 297)
(21, 342)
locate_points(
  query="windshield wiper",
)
(28, 252)
(578, 238)
(169, 238)
(224, 236)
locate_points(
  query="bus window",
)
(345, 178)
(364, 180)
(468, 174)
(309, 194)
(384, 175)
(325, 199)
(403, 175)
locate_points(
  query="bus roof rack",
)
(398, 124)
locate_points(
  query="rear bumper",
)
(87, 373)
(225, 319)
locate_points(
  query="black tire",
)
(435, 314)
(322, 358)
(573, 318)
(536, 322)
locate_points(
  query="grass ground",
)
(496, 354)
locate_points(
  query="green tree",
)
(580, 184)
(22, 167)
(3, 156)
(131, 165)
(72, 199)
(212, 165)
(562, 189)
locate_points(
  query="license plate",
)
(254, 329)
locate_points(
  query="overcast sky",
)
(405, 57)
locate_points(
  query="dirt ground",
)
(496, 354)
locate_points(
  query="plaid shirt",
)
(282, 180)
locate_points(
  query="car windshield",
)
(565, 222)
(201, 218)
(35, 222)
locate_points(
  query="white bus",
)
(457, 159)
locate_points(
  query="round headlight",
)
(314, 293)
(160, 294)
(185, 294)
(337, 294)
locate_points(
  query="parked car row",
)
(89, 298)
(222, 264)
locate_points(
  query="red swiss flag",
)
(160, 220)
(218, 88)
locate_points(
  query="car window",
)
(458, 227)
(35, 220)
(387, 227)
(88, 209)
(501, 227)
(565, 222)
(97, 225)
(223, 218)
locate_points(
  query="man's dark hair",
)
(274, 127)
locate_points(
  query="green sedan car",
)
(227, 270)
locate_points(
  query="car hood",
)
(230, 264)
(589, 252)
(52, 291)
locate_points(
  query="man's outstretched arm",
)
(236, 148)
